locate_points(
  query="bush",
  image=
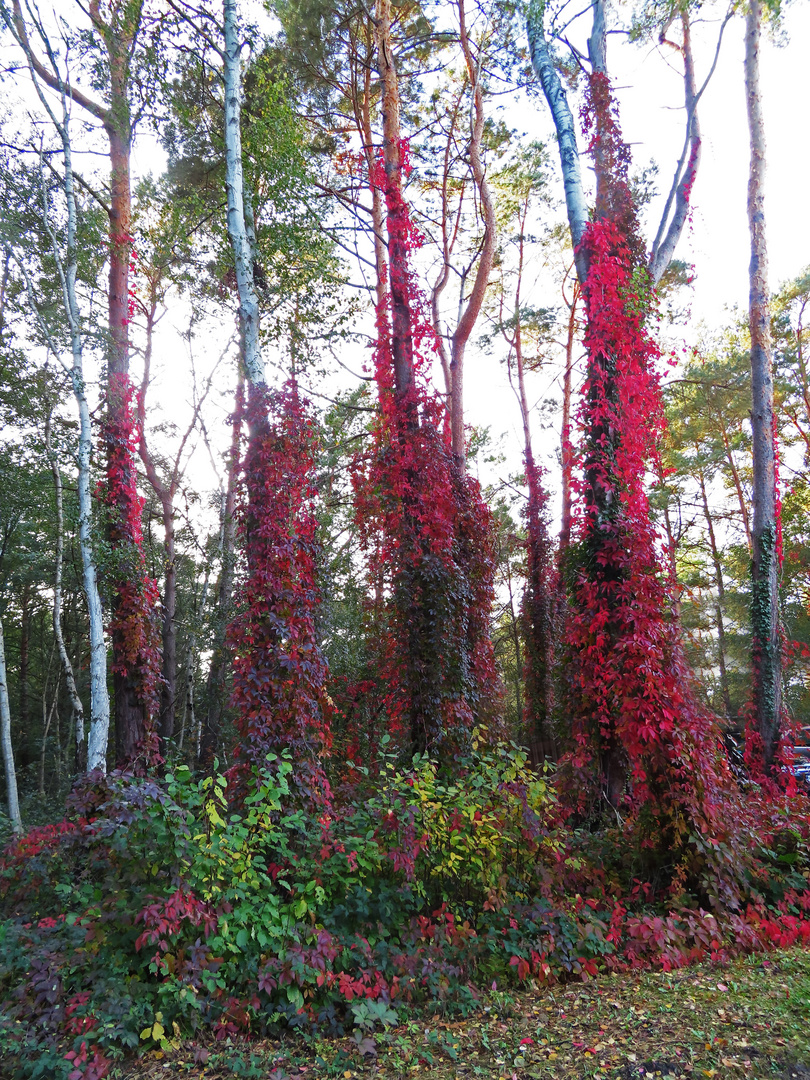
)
(157, 909)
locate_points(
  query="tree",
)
(632, 711)
(125, 61)
(763, 736)
(65, 259)
(5, 740)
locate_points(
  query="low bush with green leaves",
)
(157, 908)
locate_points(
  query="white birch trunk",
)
(239, 215)
(67, 667)
(67, 269)
(5, 740)
(543, 64)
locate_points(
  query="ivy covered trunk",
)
(422, 516)
(640, 739)
(134, 626)
(763, 734)
(280, 673)
(136, 663)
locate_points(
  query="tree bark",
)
(217, 683)
(25, 650)
(5, 742)
(766, 554)
(664, 244)
(235, 184)
(396, 218)
(544, 68)
(472, 309)
(76, 705)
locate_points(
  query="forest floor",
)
(749, 1018)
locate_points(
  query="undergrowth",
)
(158, 910)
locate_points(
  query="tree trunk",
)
(217, 684)
(538, 607)
(567, 449)
(721, 596)
(766, 553)
(5, 742)
(75, 701)
(735, 475)
(168, 693)
(544, 67)
(664, 244)
(238, 233)
(165, 493)
(472, 309)
(397, 217)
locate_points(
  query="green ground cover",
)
(749, 1018)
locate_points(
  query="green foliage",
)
(473, 832)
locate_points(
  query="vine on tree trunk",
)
(280, 673)
(134, 624)
(640, 738)
(425, 522)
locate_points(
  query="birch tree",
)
(65, 255)
(124, 68)
(12, 797)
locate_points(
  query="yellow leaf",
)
(158, 1031)
(146, 1033)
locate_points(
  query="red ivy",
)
(424, 522)
(134, 625)
(280, 673)
(635, 720)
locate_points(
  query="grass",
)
(749, 1018)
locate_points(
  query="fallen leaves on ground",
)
(750, 1018)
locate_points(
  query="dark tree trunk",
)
(765, 555)
(168, 694)
(217, 684)
(718, 607)
(25, 666)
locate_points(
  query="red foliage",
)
(634, 717)
(89, 1063)
(280, 673)
(165, 917)
(134, 627)
(424, 521)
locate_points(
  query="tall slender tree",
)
(117, 32)
(763, 735)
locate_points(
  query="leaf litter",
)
(749, 1018)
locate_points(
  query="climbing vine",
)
(133, 626)
(424, 522)
(638, 732)
(280, 674)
